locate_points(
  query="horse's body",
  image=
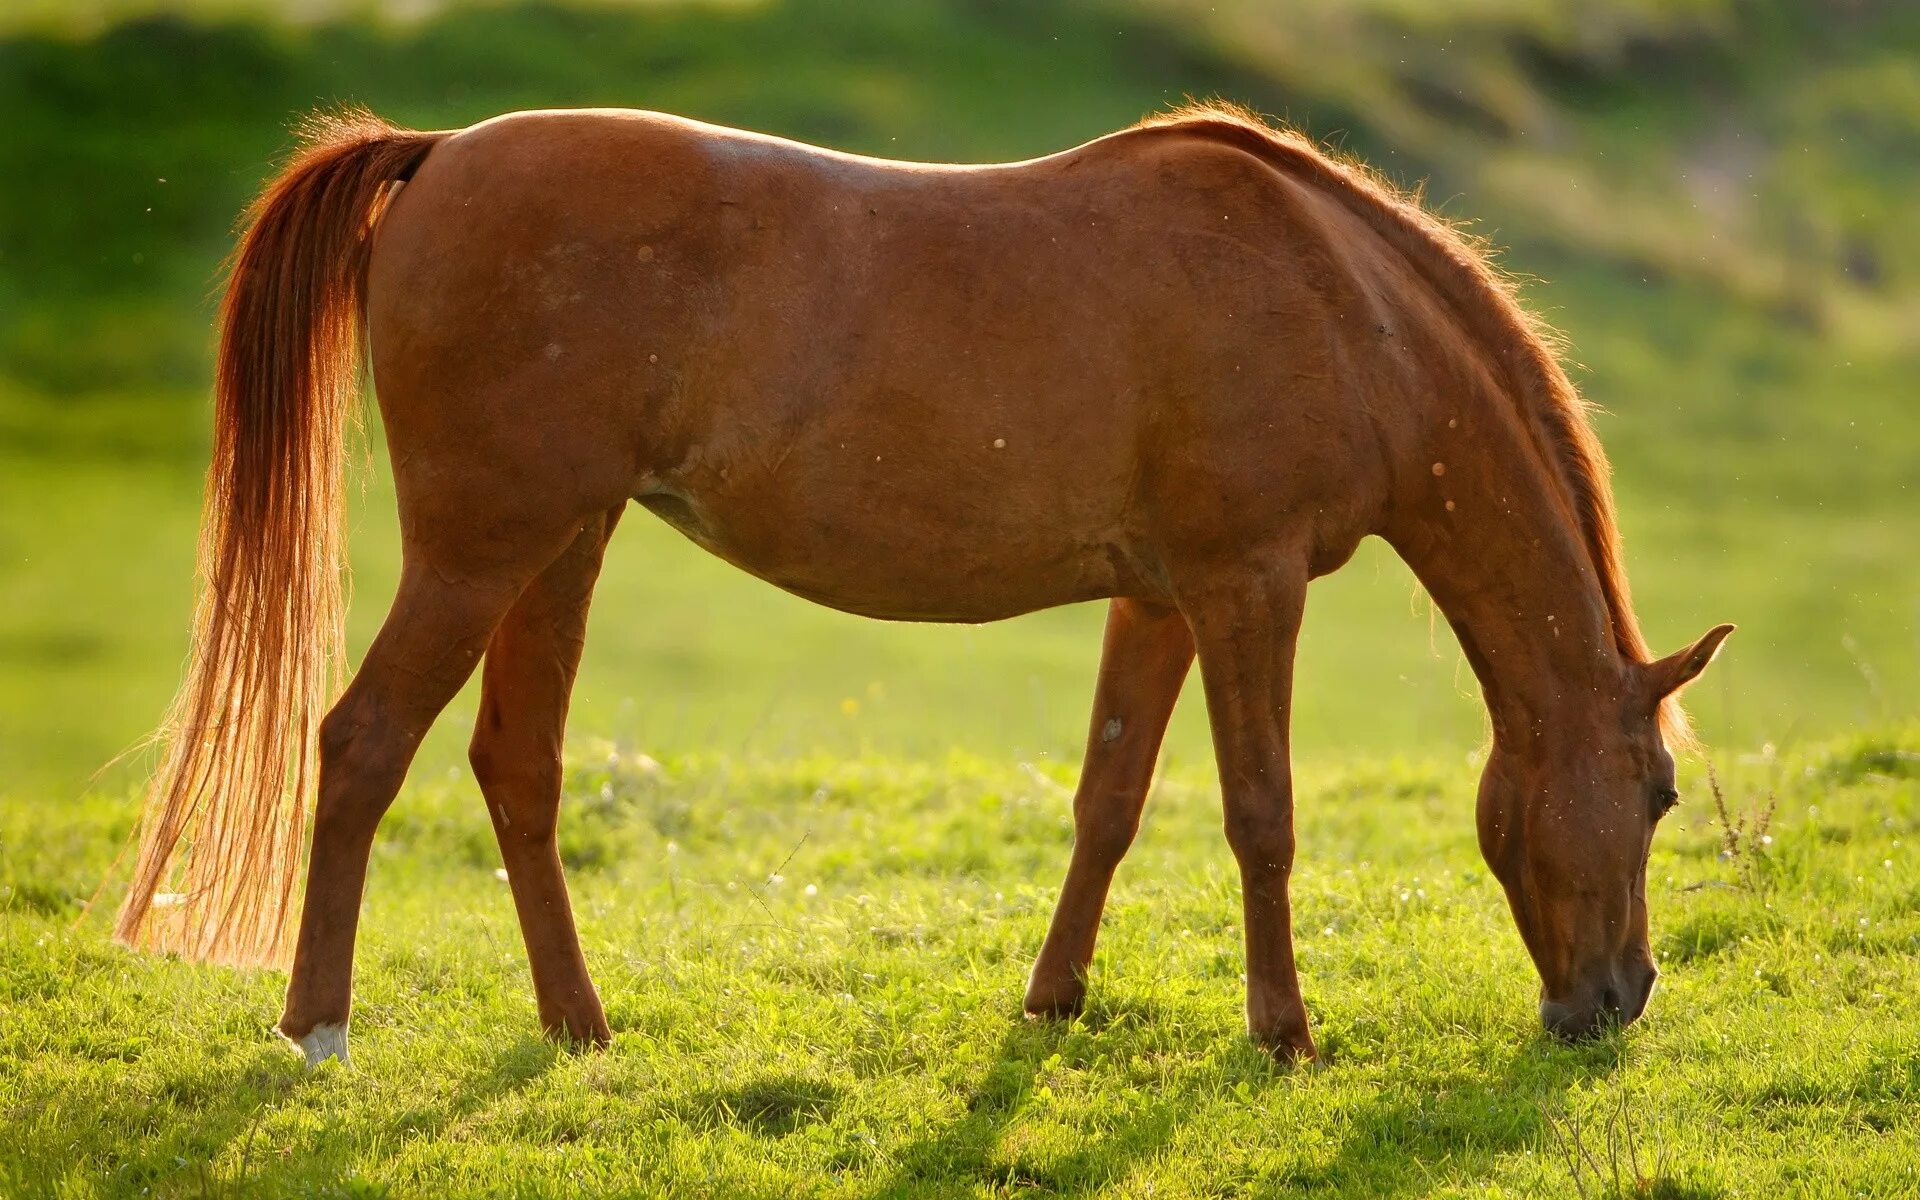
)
(930, 393)
(1187, 367)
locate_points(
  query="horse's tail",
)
(224, 824)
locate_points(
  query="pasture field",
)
(813, 971)
(814, 855)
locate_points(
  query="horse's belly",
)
(865, 558)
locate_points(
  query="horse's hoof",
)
(591, 1042)
(1055, 1006)
(1290, 1049)
(1286, 1054)
(324, 1042)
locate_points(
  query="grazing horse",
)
(1185, 367)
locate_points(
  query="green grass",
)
(852, 1028)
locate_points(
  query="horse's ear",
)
(1677, 670)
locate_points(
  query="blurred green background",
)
(1714, 199)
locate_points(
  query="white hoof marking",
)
(325, 1042)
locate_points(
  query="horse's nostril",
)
(1638, 992)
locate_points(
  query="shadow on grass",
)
(1396, 1140)
(770, 1107)
(161, 1130)
(966, 1153)
(202, 1128)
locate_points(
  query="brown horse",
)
(1186, 367)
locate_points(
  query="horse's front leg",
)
(1245, 625)
(1142, 665)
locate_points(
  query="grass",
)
(813, 970)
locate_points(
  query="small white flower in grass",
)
(812, 890)
(500, 873)
(673, 847)
(776, 879)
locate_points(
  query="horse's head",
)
(1566, 823)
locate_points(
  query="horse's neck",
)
(1487, 529)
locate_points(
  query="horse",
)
(1185, 368)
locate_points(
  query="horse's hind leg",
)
(1142, 665)
(449, 601)
(526, 684)
(1245, 625)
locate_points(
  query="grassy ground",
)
(1765, 441)
(813, 972)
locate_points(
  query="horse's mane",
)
(1461, 269)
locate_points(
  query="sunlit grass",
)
(813, 971)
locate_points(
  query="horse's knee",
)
(1105, 831)
(1261, 835)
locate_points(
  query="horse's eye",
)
(1663, 801)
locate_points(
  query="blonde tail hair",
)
(224, 825)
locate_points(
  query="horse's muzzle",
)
(1618, 1001)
